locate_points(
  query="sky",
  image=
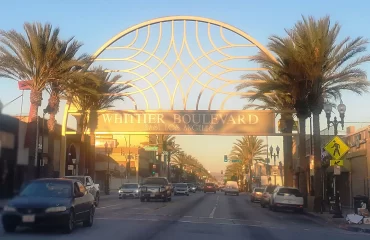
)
(94, 22)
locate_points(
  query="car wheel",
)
(263, 205)
(9, 228)
(70, 225)
(97, 199)
(142, 199)
(90, 221)
(165, 199)
(187, 194)
(169, 199)
(237, 194)
(214, 192)
(204, 191)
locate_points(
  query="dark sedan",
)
(209, 187)
(50, 202)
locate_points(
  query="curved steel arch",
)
(172, 19)
(182, 18)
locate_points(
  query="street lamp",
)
(328, 110)
(274, 155)
(107, 151)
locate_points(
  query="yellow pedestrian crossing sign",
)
(336, 162)
(336, 148)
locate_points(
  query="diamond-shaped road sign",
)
(336, 148)
(336, 162)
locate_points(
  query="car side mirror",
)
(88, 184)
(79, 194)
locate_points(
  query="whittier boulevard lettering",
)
(188, 122)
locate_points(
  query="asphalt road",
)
(198, 216)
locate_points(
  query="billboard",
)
(186, 122)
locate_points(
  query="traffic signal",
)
(154, 169)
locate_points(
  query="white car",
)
(129, 190)
(181, 189)
(232, 188)
(286, 198)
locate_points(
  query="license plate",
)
(28, 218)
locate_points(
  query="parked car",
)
(129, 190)
(266, 195)
(181, 189)
(209, 187)
(286, 198)
(192, 188)
(232, 188)
(91, 187)
(256, 194)
(50, 202)
(155, 188)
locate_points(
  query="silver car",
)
(129, 190)
(181, 189)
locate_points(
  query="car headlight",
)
(120, 191)
(9, 209)
(137, 190)
(56, 209)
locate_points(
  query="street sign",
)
(151, 148)
(225, 158)
(336, 162)
(235, 160)
(336, 170)
(336, 148)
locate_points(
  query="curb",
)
(346, 227)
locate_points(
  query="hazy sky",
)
(94, 22)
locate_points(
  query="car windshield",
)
(290, 191)
(130, 186)
(81, 179)
(181, 185)
(57, 189)
(270, 189)
(156, 181)
(259, 190)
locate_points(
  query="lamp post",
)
(274, 155)
(328, 110)
(342, 110)
(108, 150)
(128, 163)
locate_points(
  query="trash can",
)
(358, 200)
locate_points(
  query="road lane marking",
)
(214, 209)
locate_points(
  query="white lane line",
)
(110, 206)
(214, 209)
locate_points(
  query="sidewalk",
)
(341, 223)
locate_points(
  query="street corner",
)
(352, 228)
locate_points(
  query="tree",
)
(249, 149)
(279, 102)
(100, 92)
(38, 58)
(329, 68)
(284, 76)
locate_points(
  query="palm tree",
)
(284, 104)
(39, 57)
(284, 76)
(96, 97)
(249, 149)
(329, 68)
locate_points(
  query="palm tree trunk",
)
(317, 159)
(32, 136)
(81, 129)
(302, 157)
(288, 151)
(92, 155)
(54, 106)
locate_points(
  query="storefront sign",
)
(200, 122)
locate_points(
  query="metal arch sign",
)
(186, 122)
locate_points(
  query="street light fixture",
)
(107, 151)
(328, 110)
(274, 155)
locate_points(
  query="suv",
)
(155, 188)
(266, 195)
(286, 198)
(232, 188)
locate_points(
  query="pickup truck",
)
(90, 186)
(155, 188)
